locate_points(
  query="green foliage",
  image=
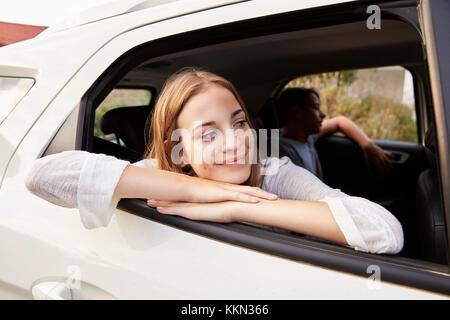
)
(324, 80)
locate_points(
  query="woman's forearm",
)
(305, 217)
(150, 183)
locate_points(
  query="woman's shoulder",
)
(146, 163)
(283, 170)
(271, 165)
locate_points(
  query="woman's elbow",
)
(397, 244)
(31, 180)
(391, 239)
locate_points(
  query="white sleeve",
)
(366, 225)
(80, 179)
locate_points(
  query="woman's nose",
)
(233, 141)
(230, 140)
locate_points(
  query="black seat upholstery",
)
(431, 231)
(273, 118)
(128, 124)
(269, 115)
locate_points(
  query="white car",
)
(50, 87)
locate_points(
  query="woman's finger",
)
(188, 212)
(246, 198)
(165, 203)
(255, 192)
(155, 203)
(215, 212)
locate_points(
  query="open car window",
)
(379, 100)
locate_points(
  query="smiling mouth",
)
(232, 162)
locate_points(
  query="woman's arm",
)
(94, 183)
(305, 217)
(366, 225)
(355, 222)
(152, 183)
(310, 207)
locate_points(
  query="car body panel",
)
(138, 258)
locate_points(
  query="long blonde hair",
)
(178, 89)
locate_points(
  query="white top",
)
(88, 180)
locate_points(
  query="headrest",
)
(269, 115)
(128, 123)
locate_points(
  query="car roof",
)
(119, 7)
(95, 27)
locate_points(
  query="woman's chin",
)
(232, 174)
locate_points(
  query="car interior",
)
(260, 65)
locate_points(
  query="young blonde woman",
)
(194, 115)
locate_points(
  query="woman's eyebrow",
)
(235, 113)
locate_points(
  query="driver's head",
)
(300, 108)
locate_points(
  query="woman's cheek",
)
(210, 153)
(250, 147)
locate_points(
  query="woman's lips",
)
(232, 162)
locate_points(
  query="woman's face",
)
(216, 138)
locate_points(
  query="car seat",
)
(272, 118)
(128, 125)
(429, 213)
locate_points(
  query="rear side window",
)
(379, 100)
(119, 98)
(12, 90)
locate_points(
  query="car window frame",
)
(399, 270)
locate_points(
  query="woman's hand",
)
(204, 190)
(222, 212)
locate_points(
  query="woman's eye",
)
(241, 123)
(209, 136)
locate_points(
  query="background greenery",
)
(379, 117)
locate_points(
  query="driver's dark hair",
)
(292, 96)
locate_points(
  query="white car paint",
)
(133, 258)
